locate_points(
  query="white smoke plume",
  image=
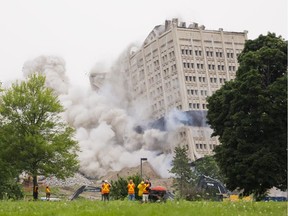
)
(54, 70)
(105, 122)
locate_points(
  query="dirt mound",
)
(147, 173)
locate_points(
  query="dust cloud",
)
(105, 119)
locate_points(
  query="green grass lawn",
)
(117, 208)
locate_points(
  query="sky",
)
(86, 33)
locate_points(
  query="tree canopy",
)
(249, 115)
(34, 138)
(207, 166)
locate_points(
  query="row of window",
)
(191, 65)
(203, 79)
(193, 79)
(196, 92)
(214, 80)
(220, 67)
(218, 53)
(197, 106)
(208, 53)
(204, 146)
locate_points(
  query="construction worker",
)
(146, 190)
(48, 193)
(102, 194)
(131, 190)
(140, 189)
(106, 190)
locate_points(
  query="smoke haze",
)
(105, 122)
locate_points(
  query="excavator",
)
(84, 188)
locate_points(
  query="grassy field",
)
(117, 208)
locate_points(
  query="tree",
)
(119, 187)
(34, 138)
(249, 114)
(9, 188)
(207, 166)
(184, 177)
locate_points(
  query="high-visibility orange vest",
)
(146, 187)
(131, 187)
(47, 190)
(106, 188)
(141, 188)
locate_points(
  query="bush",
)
(119, 187)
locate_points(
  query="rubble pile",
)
(77, 179)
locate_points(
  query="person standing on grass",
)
(140, 189)
(146, 190)
(131, 190)
(106, 190)
(102, 194)
(48, 193)
(35, 192)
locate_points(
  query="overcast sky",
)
(89, 32)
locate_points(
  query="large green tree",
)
(34, 138)
(249, 115)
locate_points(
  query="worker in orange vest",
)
(106, 190)
(140, 190)
(131, 190)
(102, 194)
(146, 190)
(48, 193)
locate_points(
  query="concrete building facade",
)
(179, 66)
